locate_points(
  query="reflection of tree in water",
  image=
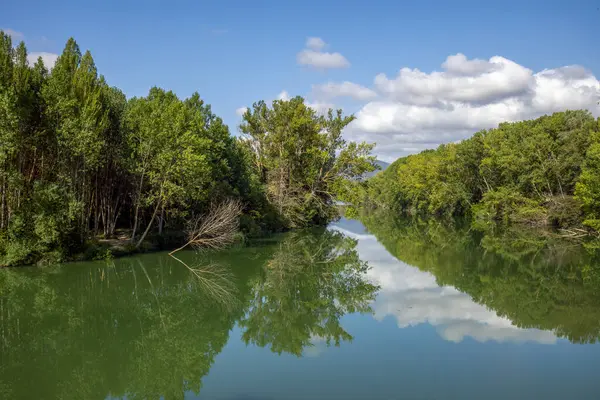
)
(147, 327)
(310, 282)
(144, 328)
(532, 277)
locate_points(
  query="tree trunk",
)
(137, 208)
(149, 225)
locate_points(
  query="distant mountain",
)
(382, 164)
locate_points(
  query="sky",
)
(415, 74)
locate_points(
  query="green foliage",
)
(564, 211)
(522, 172)
(301, 159)
(78, 161)
(587, 189)
(44, 229)
(507, 206)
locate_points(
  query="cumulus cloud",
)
(458, 64)
(413, 297)
(15, 35)
(314, 56)
(468, 81)
(49, 59)
(419, 110)
(344, 89)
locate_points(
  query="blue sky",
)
(234, 53)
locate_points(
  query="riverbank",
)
(121, 245)
(100, 248)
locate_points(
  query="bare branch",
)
(216, 229)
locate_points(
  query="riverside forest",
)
(79, 162)
(176, 260)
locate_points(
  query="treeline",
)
(78, 160)
(539, 172)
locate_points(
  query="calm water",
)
(390, 311)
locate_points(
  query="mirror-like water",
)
(384, 310)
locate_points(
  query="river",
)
(384, 310)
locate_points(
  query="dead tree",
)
(216, 229)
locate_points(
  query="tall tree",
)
(302, 157)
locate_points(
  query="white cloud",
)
(458, 64)
(284, 95)
(48, 58)
(322, 60)
(420, 110)
(570, 87)
(413, 297)
(15, 35)
(315, 43)
(474, 81)
(344, 89)
(241, 111)
(313, 56)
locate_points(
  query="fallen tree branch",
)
(216, 229)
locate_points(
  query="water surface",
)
(385, 310)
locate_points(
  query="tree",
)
(302, 158)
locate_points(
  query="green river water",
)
(390, 310)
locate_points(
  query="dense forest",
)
(542, 172)
(79, 161)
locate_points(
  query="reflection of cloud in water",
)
(318, 347)
(413, 297)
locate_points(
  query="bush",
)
(43, 230)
